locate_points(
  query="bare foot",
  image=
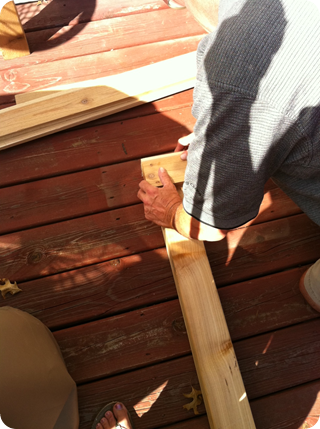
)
(120, 415)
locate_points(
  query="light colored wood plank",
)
(126, 81)
(99, 98)
(220, 379)
(170, 161)
(218, 371)
(13, 41)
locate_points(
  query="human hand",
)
(182, 143)
(160, 204)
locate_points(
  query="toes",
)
(111, 420)
(99, 426)
(121, 414)
(103, 424)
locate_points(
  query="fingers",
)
(184, 155)
(145, 186)
(164, 177)
(147, 192)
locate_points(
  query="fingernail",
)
(161, 169)
(119, 406)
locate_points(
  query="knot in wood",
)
(151, 176)
(35, 257)
(84, 101)
(179, 326)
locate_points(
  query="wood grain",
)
(13, 41)
(264, 249)
(105, 35)
(66, 245)
(97, 146)
(220, 379)
(56, 112)
(259, 250)
(124, 342)
(170, 161)
(92, 191)
(102, 290)
(100, 65)
(151, 335)
(55, 13)
(156, 393)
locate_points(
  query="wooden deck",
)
(74, 237)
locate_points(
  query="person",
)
(257, 110)
(36, 390)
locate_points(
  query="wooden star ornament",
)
(196, 397)
(7, 287)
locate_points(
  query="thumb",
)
(164, 176)
(184, 155)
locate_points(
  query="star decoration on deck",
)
(196, 397)
(7, 287)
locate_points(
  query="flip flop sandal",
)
(109, 407)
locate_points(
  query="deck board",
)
(104, 36)
(57, 13)
(93, 66)
(148, 336)
(96, 146)
(74, 236)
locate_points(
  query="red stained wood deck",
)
(74, 237)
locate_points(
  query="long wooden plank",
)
(220, 379)
(105, 35)
(155, 398)
(115, 60)
(53, 14)
(99, 290)
(92, 191)
(13, 41)
(67, 197)
(124, 342)
(46, 250)
(60, 111)
(251, 308)
(151, 335)
(97, 146)
(100, 65)
(66, 245)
